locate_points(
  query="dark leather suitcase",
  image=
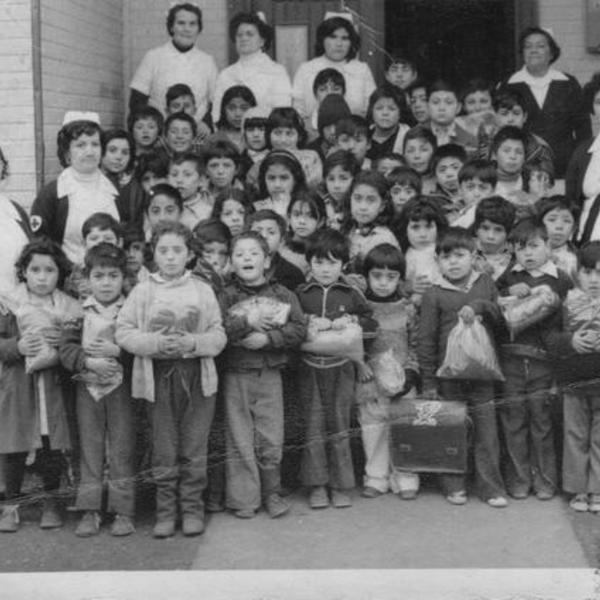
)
(429, 436)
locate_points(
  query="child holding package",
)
(172, 324)
(462, 294)
(263, 320)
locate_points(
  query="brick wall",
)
(82, 65)
(17, 136)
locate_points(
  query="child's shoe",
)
(164, 529)
(457, 498)
(594, 505)
(497, 502)
(276, 506)
(370, 492)
(408, 494)
(89, 524)
(122, 526)
(544, 494)
(9, 521)
(340, 499)
(519, 493)
(245, 513)
(214, 506)
(318, 497)
(51, 518)
(192, 525)
(579, 503)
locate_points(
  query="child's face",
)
(329, 87)
(421, 233)
(116, 156)
(106, 283)
(338, 182)
(171, 255)
(443, 107)
(589, 280)
(216, 254)
(179, 136)
(41, 275)
(279, 180)
(249, 262)
(473, 190)
(418, 153)
(269, 229)
(365, 204)
(233, 214)
(478, 102)
(326, 270)
(85, 153)
(400, 74)
(284, 138)
(539, 183)
(400, 194)
(235, 110)
(510, 157)
(328, 133)
(514, 116)
(559, 224)
(162, 208)
(184, 104)
(446, 173)
(491, 237)
(145, 132)
(97, 235)
(418, 104)
(135, 256)
(386, 113)
(221, 172)
(357, 144)
(186, 179)
(456, 266)
(533, 254)
(386, 165)
(150, 179)
(383, 282)
(302, 222)
(255, 138)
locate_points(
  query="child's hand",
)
(255, 341)
(421, 284)
(260, 322)
(364, 372)
(168, 344)
(320, 323)
(186, 343)
(583, 342)
(51, 335)
(30, 344)
(520, 290)
(104, 367)
(102, 348)
(467, 314)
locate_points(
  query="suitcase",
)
(429, 436)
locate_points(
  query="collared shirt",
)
(548, 268)
(448, 285)
(444, 135)
(109, 311)
(538, 85)
(196, 209)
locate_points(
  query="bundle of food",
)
(341, 337)
(521, 313)
(36, 320)
(262, 308)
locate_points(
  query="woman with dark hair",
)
(254, 68)
(177, 61)
(336, 48)
(553, 100)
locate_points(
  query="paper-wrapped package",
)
(521, 313)
(34, 319)
(345, 342)
(262, 306)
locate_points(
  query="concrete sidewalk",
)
(390, 533)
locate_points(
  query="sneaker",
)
(89, 524)
(579, 503)
(245, 513)
(544, 495)
(276, 506)
(51, 518)
(497, 502)
(9, 521)
(457, 498)
(122, 526)
(164, 529)
(340, 499)
(594, 505)
(370, 492)
(318, 497)
(192, 525)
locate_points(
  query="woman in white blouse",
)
(255, 69)
(336, 47)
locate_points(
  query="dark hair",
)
(119, 134)
(285, 159)
(177, 91)
(102, 221)
(418, 209)
(449, 151)
(182, 116)
(187, 6)
(105, 255)
(495, 209)
(251, 235)
(507, 98)
(390, 156)
(69, 133)
(231, 93)
(209, 231)
(455, 238)
(46, 247)
(590, 90)
(478, 168)
(189, 157)
(174, 227)
(384, 256)
(509, 132)
(386, 91)
(420, 132)
(328, 243)
(402, 58)
(328, 27)
(131, 235)
(539, 163)
(163, 189)
(325, 76)
(341, 158)
(589, 255)
(527, 229)
(557, 202)
(378, 182)
(417, 84)
(405, 176)
(267, 214)
(477, 84)
(441, 85)
(554, 47)
(145, 112)
(313, 201)
(286, 116)
(353, 125)
(221, 148)
(236, 195)
(152, 162)
(246, 18)
(3, 166)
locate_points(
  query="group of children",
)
(214, 308)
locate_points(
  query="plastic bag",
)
(389, 373)
(521, 313)
(345, 343)
(33, 319)
(470, 354)
(263, 306)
